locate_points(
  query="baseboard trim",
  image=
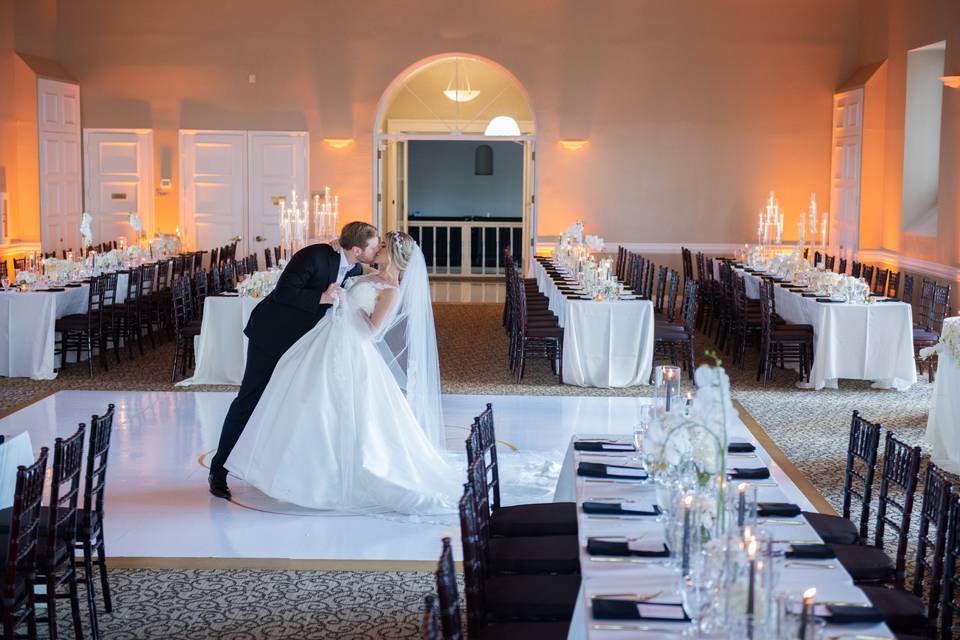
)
(657, 248)
(806, 487)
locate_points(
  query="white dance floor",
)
(159, 512)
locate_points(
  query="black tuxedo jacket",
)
(293, 308)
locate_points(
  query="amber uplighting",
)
(338, 143)
(573, 145)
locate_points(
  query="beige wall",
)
(890, 28)
(693, 109)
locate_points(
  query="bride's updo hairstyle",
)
(399, 249)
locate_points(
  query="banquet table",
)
(943, 422)
(868, 341)
(14, 452)
(27, 327)
(605, 343)
(221, 347)
(831, 580)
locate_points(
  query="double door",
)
(231, 181)
(58, 123)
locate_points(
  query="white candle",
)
(807, 612)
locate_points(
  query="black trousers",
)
(256, 375)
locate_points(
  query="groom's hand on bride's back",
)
(330, 294)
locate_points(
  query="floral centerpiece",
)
(259, 283)
(56, 270)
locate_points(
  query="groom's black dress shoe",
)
(218, 486)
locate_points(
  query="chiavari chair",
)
(81, 331)
(149, 302)
(618, 266)
(893, 284)
(746, 319)
(880, 281)
(950, 591)
(110, 331)
(724, 307)
(240, 268)
(907, 289)
(185, 327)
(197, 261)
(163, 294)
(17, 599)
(268, 258)
(862, 447)
(670, 312)
(648, 283)
(687, 256)
(200, 292)
(661, 289)
(507, 598)
(899, 476)
(4, 270)
(829, 262)
(806, 253)
(56, 565)
(229, 277)
(215, 286)
(451, 625)
(842, 268)
(934, 303)
(674, 342)
(786, 343)
(128, 312)
(867, 274)
(855, 269)
(214, 257)
(90, 521)
(522, 520)
(430, 622)
(177, 263)
(540, 340)
(817, 257)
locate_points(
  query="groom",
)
(303, 295)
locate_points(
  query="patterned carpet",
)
(810, 427)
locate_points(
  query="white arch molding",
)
(389, 147)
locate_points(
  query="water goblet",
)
(6, 282)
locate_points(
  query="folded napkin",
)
(886, 300)
(759, 473)
(827, 300)
(625, 508)
(741, 447)
(810, 552)
(852, 614)
(73, 285)
(609, 609)
(601, 470)
(52, 289)
(777, 509)
(809, 295)
(603, 446)
(638, 548)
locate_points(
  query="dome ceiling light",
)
(502, 126)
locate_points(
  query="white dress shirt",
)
(344, 267)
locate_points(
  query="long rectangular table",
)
(27, 327)
(605, 344)
(851, 340)
(833, 584)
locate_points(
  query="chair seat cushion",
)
(524, 631)
(902, 610)
(787, 332)
(922, 335)
(545, 332)
(865, 564)
(535, 554)
(542, 597)
(74, 322)
(544, 519)
(833, 529)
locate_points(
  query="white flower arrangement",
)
(56, 269)
(28, 277)
(949, 343)
(259, 283)
(594, 243)
(166, 243)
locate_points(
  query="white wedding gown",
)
(333, 429)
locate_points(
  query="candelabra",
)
(294, 225)
(770, 226)
(326, 214)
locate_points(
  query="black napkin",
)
(826, 300)
(810, 552)
(886, 300)
(73, 285)
(809, 295)
(853, 614)
(601, 547)
(601, 470)
(777, 509)
(604, 609)
(741, 447)
(52, 289)
(610, 447)
(615, 509)
(759, 473)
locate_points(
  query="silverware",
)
(620, 538)
(779, 522)
(628, 560)
(636, 597)
(634, 518)
(638, 627)
(612, 481)
(809, 565)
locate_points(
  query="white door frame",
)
(839, 217)
(145, 199)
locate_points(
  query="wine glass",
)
(6, 282)
(695, 591)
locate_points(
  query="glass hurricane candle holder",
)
(666, 392)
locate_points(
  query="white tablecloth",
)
(15, 451)
(943, 422)
(27, 321)
(853, 341)
(605, 344)
(221, 347)
(612, 577)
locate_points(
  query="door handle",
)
(235, 238)
(260, 238)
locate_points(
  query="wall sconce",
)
(338, 143)
(573, 145)
(951, 81)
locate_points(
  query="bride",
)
(351, 418)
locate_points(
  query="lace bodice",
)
(364, 291)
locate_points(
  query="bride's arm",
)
(384, 302)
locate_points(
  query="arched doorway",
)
(474, 102)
